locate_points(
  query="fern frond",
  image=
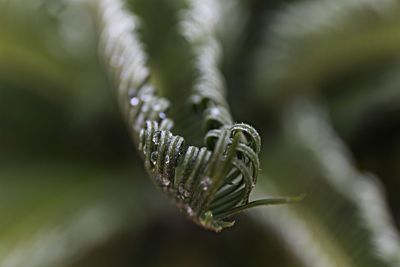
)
(207, 184)
(310, 43)
(362, 189)
(345, 220)
(351, 49)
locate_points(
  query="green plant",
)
(207, 184)
(318, 79)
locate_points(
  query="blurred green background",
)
(320, 81)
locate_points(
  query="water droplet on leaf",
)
(186, 193)
(165, 181)
(215, 111)
(153, 157)
(134, 101)
(183, 192)
(156, 137)
(189, 210)
(205, 183)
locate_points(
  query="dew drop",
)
(134, 101)
(153, 157)
(165, 181)
(162, 115)
(183, 192)
(186, 193)
(156, 137)
(189, 210)
(144, 149)
(208, 214)
(205, 183)
(215, 111)
(166, 159)
(141, 133)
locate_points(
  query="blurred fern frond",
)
(344, 56)
(311, 43)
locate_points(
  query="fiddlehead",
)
(209, 183)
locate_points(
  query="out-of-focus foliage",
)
(318, 79)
